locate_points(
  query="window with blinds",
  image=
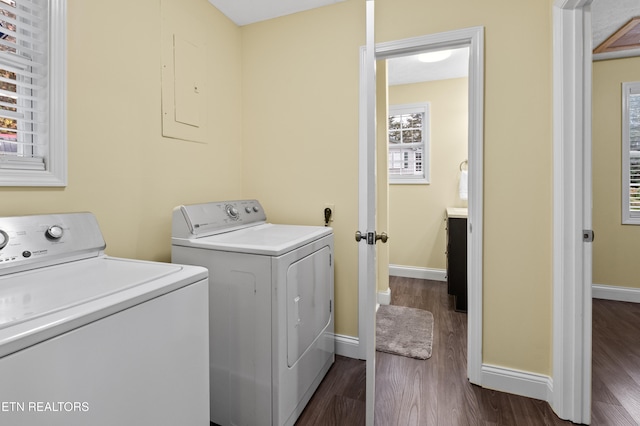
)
(408, 143)
(32, 92)
(631, 153)
(23, 60)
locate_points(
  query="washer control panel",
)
(31, 241)
(216, 217)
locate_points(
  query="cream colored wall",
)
(120, 167)
(417, 212)
(288, 90)
(517, 273)
(300, 101)
(615, 245)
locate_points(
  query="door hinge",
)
(588, 235)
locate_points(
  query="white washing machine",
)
(270, 308)
(88, 339)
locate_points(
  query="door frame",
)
(474, 39)
(570, 391)
(572, 194)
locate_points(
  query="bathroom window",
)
(409, 143)
(631, 153)
(32, 92)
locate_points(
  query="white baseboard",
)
(384, 297)
(518, 382)
(621, 294)
(347, 346)
(415, 272)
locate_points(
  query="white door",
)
(366, 234)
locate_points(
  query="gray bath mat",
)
(404, 331)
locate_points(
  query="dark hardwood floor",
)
(340, 398)
(437, 392)
(615, 397)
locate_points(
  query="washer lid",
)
(265, 239)
(42, 303)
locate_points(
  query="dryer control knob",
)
(232, 212)
(4, 239)
(54, 232)
(247, 209)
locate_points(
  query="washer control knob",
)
(247, 209)
(54, 232)
(4, 239)
(255, 209)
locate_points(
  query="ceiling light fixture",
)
(438, 56)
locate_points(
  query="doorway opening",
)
(427, 159)
(473, 39)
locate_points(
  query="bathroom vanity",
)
(456, 225)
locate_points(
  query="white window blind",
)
(23, 83)
(631, 153)
(408, 143)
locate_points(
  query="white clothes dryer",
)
(270, 308)
(89, 339)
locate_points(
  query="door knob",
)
(371, 237)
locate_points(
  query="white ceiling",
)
(408, 69)
(244, 12)
(607, 17)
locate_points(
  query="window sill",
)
(409, 182)
(631, 221)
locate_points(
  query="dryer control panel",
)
(28, 242)
(198, 220)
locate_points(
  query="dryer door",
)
(309, 285)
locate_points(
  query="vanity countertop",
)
(459, 212)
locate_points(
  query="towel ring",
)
(465, 162)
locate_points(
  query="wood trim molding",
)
(617, 54)
(475, 222)
(620, 294)
(531, 385)
(348, 346)
(384, 297)
(523, 383)
(570, 397)
(416, 272)
(619, 40)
